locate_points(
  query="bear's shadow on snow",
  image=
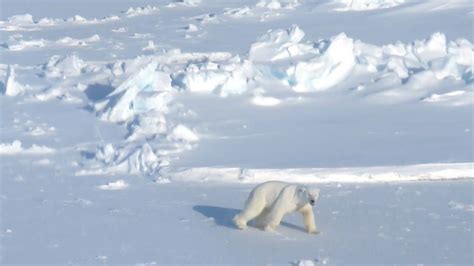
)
(2, 88)
(223, 216)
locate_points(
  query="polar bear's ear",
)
(300, 189)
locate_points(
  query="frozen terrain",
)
(133, 131)
(404, 223)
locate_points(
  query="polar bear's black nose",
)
(312, 202)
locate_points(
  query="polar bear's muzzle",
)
(312, 202)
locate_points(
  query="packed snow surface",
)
(130, 126)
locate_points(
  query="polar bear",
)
(270, 201)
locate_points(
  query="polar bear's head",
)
(307, 195)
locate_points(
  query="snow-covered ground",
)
(132, 132)
(71, 220)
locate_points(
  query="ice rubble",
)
(306, 263)
(223, 79)
(461, 206)
(263, 8)
(141, 11)
(63, 66)
(68, 41)
(192, 28)
(77, 19)
(143, 92)
(176, 3)
(150, 46)
(182, 133)
(12, 88)
(206, 18)
(143, 101)
(24, 19)
(22, 22)
(260, 99)
(454, 98)
(137, 159)
(308, 67)
(278, 4)
(327, 70)
(327, 63)
(239, 12)
(14, 43)
(279, 44)
(16, 148)
(359, 5)
(26, 22)
(117, 185)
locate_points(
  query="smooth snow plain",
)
(132, 132)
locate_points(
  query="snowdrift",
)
(324, 175)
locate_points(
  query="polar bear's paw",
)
(269, 228)
(239, 223)
(313, 231)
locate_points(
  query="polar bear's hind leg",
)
(276, 213)
(253, 208)
(273, 219)
(261, 219)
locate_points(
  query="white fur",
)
(270, 201)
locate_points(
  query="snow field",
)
(132, 133)
(378, 223)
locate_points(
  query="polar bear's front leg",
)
(308, 218)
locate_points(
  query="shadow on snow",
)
(223, 216)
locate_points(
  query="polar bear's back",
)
(268, 192)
